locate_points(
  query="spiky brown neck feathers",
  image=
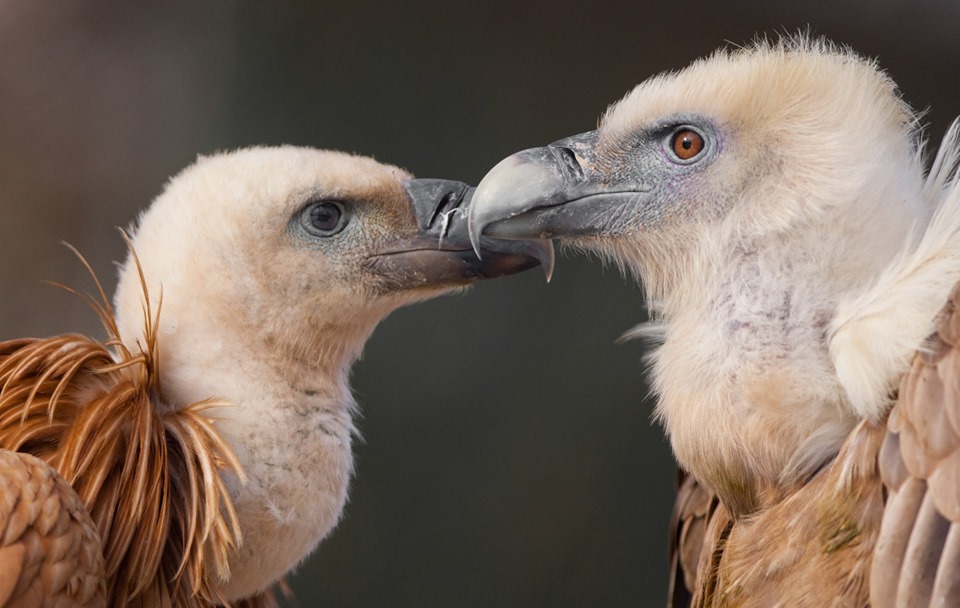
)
(152, 481)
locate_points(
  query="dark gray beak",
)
(441, 253)
(546, 192)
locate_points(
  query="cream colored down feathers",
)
(791, 302)
(797, 256)
(269, 326)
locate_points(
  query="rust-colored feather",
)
(151, 478)
(693, 513)
(49, 548)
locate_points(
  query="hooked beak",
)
(441, 252)
(547, 192)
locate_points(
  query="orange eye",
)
(687, 143)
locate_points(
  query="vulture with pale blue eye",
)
(799, 261)
(204, 450)
(324, 218)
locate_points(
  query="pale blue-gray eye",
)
(324, 218)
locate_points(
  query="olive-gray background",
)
(508, 457)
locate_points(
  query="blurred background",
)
(508, 458)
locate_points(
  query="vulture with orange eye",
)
(204, 449)
(799, 262)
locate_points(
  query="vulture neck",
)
(289, 423)
(748, 392)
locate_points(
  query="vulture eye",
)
(324, 218)
(686, 144)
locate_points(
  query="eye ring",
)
(686, 144)
(324, 218)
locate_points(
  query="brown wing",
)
(50, 552)
(689, 538)
(917, 559)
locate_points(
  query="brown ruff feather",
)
(151, 481)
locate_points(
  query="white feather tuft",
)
(874, 334)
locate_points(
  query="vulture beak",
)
(440, 253)
(551, 191)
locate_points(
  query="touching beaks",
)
(542, 193)
(442, 208)
(440, 252)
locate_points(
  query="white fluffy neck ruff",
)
(777, 343)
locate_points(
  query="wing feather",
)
(946, 586)
(50, 549)
(688, 538)
(917, 561)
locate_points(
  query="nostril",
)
(568, 159)
(449, 201)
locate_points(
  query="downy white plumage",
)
(774, 202)
(253, 282)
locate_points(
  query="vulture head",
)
(772, 200)
(268, 268)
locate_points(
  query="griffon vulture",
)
(796, 257)
(209, 438)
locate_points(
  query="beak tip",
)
(548, 260)
(475, 235)
(487, 207)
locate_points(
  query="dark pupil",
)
(325, 216)
(687, 143)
